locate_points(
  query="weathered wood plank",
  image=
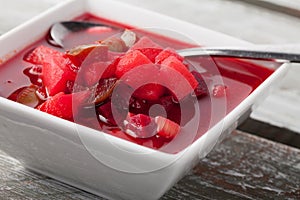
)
(241, 167)
(274, 133)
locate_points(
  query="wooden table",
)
(243, 166)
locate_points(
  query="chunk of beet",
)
(139, 106)
(150, 91)
(145, 42)
(201, 89)
(177, 78)
(172, 108)
(65, 106)
(42, 54)
(151, 53)
(55, 75)
(130, 61)
(219, 91)
(166, 128)
(72, 87)
(167, 52)
(106, 115)
(140, 126)
(94, 72)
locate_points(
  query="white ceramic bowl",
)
(52, 146)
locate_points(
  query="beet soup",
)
(129, 83)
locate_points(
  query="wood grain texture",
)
(274, 133)
(241, 167)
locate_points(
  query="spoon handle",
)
(278, 55)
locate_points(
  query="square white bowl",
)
(52, 146)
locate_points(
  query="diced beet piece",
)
(139, 106)
(151, 53)
(142, 75)
(94, 72)
(91, 73)
(201, 89)
(219, 91)
(167, 53)
(100, 53)
(52, 107)
(149, 48)
(166, 128)
(105, 114)
(140, 126)
(111, 69)
(64, 105)
(151, 91)
(171, 107)
(152, 142)
(42, 54)
(180, 112)
(66, 65)
(145, 81)
(129, 61)
(55, 75)
(177, 78)
(167, 102)
(145, 42)
(72, 87)
(112, 56)
(54, 79)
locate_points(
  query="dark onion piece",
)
(27, 96)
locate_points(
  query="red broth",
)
(229, 81)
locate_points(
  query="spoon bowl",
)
(59, 30)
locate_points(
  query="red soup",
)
(129, 83)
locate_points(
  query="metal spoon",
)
(278, 53)
(58, 31)
(279, 56)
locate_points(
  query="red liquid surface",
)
(237, 78)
